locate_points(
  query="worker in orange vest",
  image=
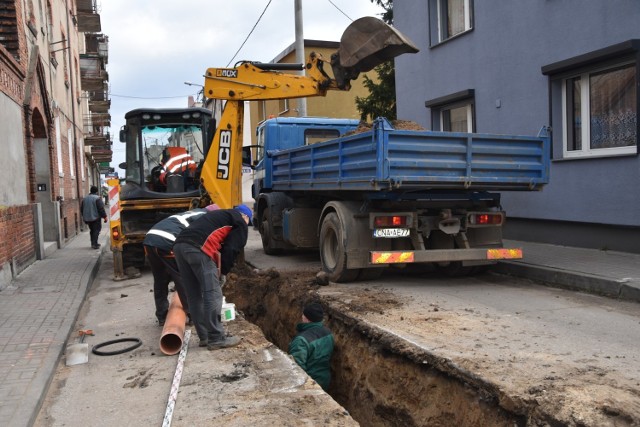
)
(176, 161)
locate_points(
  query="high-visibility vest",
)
(179, 162)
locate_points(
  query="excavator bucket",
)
(369, 42)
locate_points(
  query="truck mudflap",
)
(443, 255)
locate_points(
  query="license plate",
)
(391, 232)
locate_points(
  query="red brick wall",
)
(16, 222)
(18, 236)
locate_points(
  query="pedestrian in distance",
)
(205, 250)
(92, 208)
(312, 347)
(158, 248)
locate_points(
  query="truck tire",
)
(268, 244)
(332, 251)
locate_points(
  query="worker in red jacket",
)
(158, 244)
(203, 251)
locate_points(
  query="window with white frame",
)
(448, 18)
(600, 112)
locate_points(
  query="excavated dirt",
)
(384, 379)
(379, 378)
(397, 124)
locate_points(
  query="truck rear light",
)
(485, 218)
(390, 221)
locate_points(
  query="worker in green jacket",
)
(312, 347)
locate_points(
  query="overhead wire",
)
(340, 10)
(250, 32)
(235, 55)
(147, 97)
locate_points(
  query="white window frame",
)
(70, 144)
(469, 110)
(587, 151)
(81, 155)
(59, 147)
(440, 5)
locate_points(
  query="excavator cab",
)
(365, 44)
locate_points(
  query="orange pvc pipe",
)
(174, 326)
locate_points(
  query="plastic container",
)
(228, 311)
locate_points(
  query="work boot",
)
(225, 343)
(203, 343)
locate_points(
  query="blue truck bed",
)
(386, 159)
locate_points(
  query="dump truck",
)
(385, 196)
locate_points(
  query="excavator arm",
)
(366, 43)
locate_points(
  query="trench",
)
(380, 378)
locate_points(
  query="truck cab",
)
(283, 133)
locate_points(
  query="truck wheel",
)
(268, 245)
(332, 252)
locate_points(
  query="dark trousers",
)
(94, 230)
(200, 275)
(164, 270)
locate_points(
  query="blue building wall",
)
(501, 59)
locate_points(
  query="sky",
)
(157, 45)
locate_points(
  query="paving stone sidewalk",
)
(37, 311)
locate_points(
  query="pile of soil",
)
(397, 124)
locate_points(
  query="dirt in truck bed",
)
(388, 368)
(397, 124)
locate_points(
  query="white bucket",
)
(228, 311)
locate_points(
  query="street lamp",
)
(201, 91)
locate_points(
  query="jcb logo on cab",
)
(227, 72)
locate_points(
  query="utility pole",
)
(300, 56)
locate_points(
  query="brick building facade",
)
(51, 72)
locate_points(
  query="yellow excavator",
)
(366, 43)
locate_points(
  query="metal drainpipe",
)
(73, 109)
